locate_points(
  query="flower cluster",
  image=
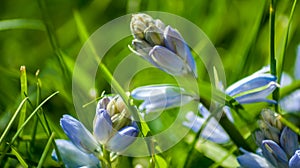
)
(161, 45)
(113, 130)
(279, 145)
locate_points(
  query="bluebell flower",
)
(78, 134)
(212, 131)
(73, 157)
(161, 97)
(112, 128)
(161, 45)
(295, 160)
(254, 88)
(274, 153)
(112, 125)
(278, 143)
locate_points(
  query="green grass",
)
(45, 37)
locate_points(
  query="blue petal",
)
(295, 160)
(274, 153)
(122, 139)
(78, 134)
(258, 96)
(168, 61)
(175, 42)
(212, 131)
(289, 141)
(251, 160)
(102, 126)
(249, 83)
(72, 156)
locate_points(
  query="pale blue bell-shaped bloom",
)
(78, 134)
(254, 88)
(274, 153)
(73, 157)
(122, 139)
(295, 160)
(212, 131)
(102, 126)
(289, 141)
(251, 160)
(175, 42)
(168, 61)
(161, 97)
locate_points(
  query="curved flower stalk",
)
(212, 131)
(161, 97)
(254, 88)
(73, 157)
(278, 143)
(161, 45)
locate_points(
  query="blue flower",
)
(295, 160)
(112, 125)
(278, 144)
(161, 45)
(212, 131)
(251, 160)
(254, 88)
(161, 97)
(73, 157)
(78, 134)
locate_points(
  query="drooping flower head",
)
(161, 97)
(161, 45)
(254, 88)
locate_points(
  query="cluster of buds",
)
(161, 45)
(278, 143)
(112, 128)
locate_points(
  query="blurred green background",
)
(239, 29)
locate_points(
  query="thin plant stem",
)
(273, 67)
(46, 150)
(24, 124)
(12, 119)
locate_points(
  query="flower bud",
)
(72, 156)
(102, 126)
(289, 141)
(254, 88)
(274, 153)
(122, 139)
(251, 160)
(295, 160)
(78, 134)
(160, 97)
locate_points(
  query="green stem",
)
(12, 120)
(47, 148)
(24, 124)
(272, 49)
